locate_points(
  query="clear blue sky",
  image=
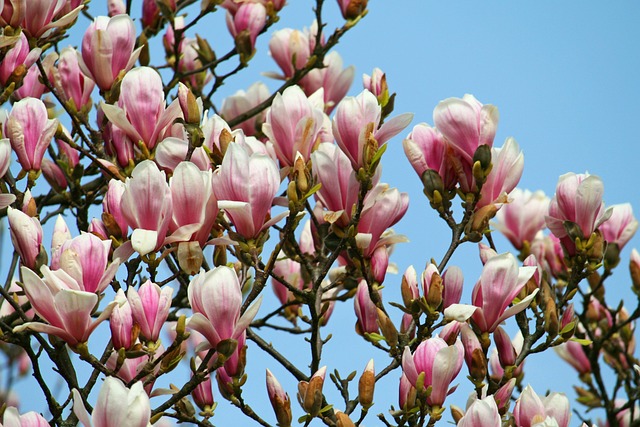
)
(564, 76)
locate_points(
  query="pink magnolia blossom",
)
(549, 254)
(573, 353)
(293, 125)
(376, 83)
(83, 263)
(505, 353)
(30, 131)
(621, 226)
(147, 207)
(111, 204)
(440, 364)
(216, 299)
(250, 18)
(500, 282)
(508, 164)
(18, 55)
(522, 218)
(452, 281)
(194, 205)
(405, 392)
(203, 394)
(12, 418)
(12, 12)
(333, 79)
(108, 48)
(131, 367)
(73, 86)
(241, 102)
(383, 207)
(150, 307)
(141, 112)
(190, 61)
(32, 85)
(530, 409)
(116, 7)
(466, 124)
(366, 310)
(26, 236)
(339, 191)
(245, 186)
(121, 322)
(66, 310)
(117, 406)
(54, 175)
(426, 149)
(471, 344)
(578, 199)
(481, 413)
(42, 16)
(358, 118)
(290, 49)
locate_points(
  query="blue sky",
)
(564, 76)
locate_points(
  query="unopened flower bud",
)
(279, 401)
(482, 163)
(588, 398)
(433, 187)
(478, 366)
(310, 393)
(634, 268)
(351, 9)
(481, 218)
(366, 386)
(456, 413)
(387, 328)
(434, 296)
(343, 420)
(551, 323)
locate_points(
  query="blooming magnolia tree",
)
(188, 213)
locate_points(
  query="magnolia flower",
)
(107, 49)
(508, 164)
(293, 125)
(141, 114)
(439, 362)
(340, 188)
(522, 218)
(150, 306)
(578, 200)
(67, 311)
(117, 406)
(245, 185)
(30, 131)
(500, 282)
(621, 226)
(530, 409)
(12, 418)
(357, 119)
(216, 299)
(241, 102)
(147, 206)
(481, 413)
(466, 124)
